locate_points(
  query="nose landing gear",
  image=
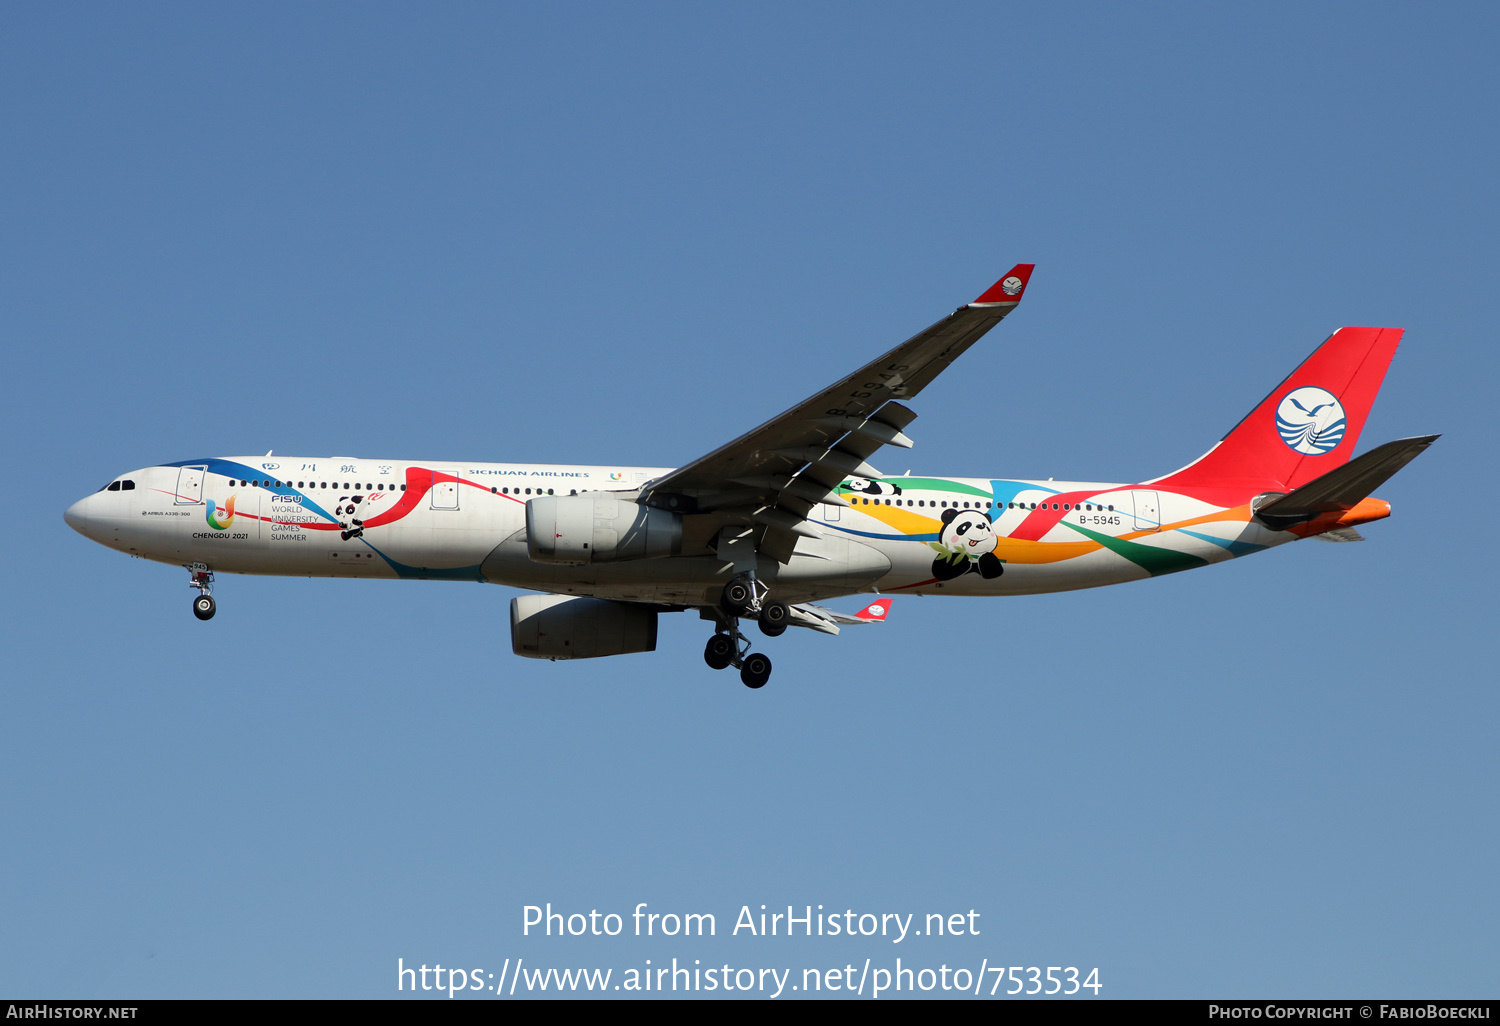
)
(204, 606)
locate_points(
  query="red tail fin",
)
(1307, 426)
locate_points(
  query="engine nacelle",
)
(578, 529)
(557, 627)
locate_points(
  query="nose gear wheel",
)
(204, 606)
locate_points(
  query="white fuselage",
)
(344, 517)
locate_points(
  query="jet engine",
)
(579, 529)
(557, 627)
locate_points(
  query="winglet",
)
(875, 612)
(1008, 290)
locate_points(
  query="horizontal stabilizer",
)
(1343, 487)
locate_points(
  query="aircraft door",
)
(444, 493)
(190, 486)
(1147, 511)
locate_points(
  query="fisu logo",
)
(1311, 420)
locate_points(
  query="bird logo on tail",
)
(1311, 420)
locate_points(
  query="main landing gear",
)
(756, 671)
(203, 606)
(728, 647)
(731, 648)
(774, 617)
(720, 651)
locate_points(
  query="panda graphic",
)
(966, 545)
(345, 512)
(864, 486)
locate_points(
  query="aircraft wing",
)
(772, 476)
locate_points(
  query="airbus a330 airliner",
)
(782, 517)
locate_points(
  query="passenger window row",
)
(1088, 506)
(356, 486)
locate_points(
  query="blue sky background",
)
(624, 234)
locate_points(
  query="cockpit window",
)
(114, 486)
(127, 486)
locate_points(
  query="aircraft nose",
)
(77, 516)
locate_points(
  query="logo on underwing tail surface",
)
(1311, 420)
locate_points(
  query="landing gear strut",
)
(731, 648)
(203, 606)
(745, 596)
